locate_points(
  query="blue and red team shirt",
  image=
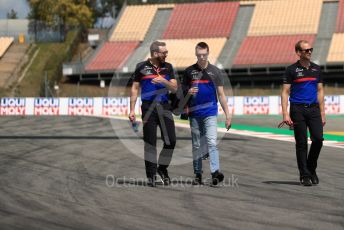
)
(204, 103)
(145, 72)
(304, 83)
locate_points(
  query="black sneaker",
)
(198, 179)
(306, 181)
(314, 178)
(166, 180)
(216, 177)
(151, 181)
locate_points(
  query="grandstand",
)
(336, 52)
(269, 50)
(5, 43)
(249, 39)
(202, 20)
(5, 67)
(11, 59)
(111, 56)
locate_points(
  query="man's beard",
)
(161, 60)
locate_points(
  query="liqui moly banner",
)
(80, 107)
(120, 106)
(12, 106)
(137, 106)
(115, 106)
(256, 105)
(230, 103)
(332, 105)
(46, 106)
(279, 106)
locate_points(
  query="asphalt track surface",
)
(54, 173)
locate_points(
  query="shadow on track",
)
(282, 182)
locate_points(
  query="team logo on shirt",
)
(193, 72)
(196, 75)
(300, 74)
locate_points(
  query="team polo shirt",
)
(145, 72)
(304, 83)
(204, 103)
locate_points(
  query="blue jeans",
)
(204, 132)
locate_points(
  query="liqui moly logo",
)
(12, 106)
(280, 111)
(46, 106)
(256, 105)
(230, 103)
(115, 106)
(332, 104)
(80, 106)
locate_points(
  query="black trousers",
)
(303, 117)
(155, 114)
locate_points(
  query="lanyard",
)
(157, 70)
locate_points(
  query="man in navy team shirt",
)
(203, 82)
(302, 83)
(156, 78)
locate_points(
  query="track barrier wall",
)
(119, 106)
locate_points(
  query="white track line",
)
(263, 135)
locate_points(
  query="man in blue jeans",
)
(203, 82)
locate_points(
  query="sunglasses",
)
(163, 53)
(202, 55)
(307, 50)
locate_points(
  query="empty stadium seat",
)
(269, 50)
(340, 17)
(336, 52)
(201, 20)
(275, 27)
(135, 21)
(285, 17)
(112, 56)
(181, 53)
(5, 43)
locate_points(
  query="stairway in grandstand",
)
(327, 27)
(238, 34)
(10, 63)
(154, 32)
